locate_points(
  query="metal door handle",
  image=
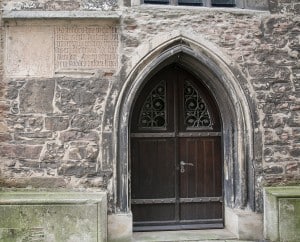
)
(182, 164)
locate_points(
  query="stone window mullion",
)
(174, 2)
(207, 3)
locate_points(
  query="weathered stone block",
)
(21, 151)
(120, 227)
(53, 152)
(66, 5)
(242, 224)
(37, 137)
(289, 217)
(87, 96)
(87, 151)
(53, 216)
(273, 170)
(37, 96)
(282, 213)
(67, 136)
(5, 137)
(34, 182)
(257, 4)
(78, 170)
(56, 123)
(86, 122)
(99, 5)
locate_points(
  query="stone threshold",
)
(209, 235)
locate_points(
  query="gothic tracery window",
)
(196, 113)
(153, 113)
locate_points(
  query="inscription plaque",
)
(85, 47)
(29, 51)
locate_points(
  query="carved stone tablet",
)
(85, 47)
(29, 51)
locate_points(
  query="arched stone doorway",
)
(235, 112)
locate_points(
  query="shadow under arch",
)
(236, 114)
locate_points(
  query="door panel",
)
(153, 168)
(153, 177)
(153, 212)
(175, 120)
(202, 211)
(201, 179)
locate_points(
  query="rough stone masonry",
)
(56, 131)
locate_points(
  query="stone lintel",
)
(12, 15)
(30, 197)
(287, 192)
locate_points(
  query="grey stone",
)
(68, 5)
(119, 228)
(57, 123)
(78, 170)
(73, 135)
(53, 152)
(83, 151)
(44, 182)
(37, 137)
(13, 90)
(37, 96)
(257, 4)
(60, 14)
(86, 121)
(99, 5)
(295, 152)
(292, 168)
(273, 170)
(21, 151)
(75, 95)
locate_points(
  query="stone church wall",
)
(56, 131)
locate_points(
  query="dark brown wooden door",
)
(176, 161)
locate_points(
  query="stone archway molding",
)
(228, 86)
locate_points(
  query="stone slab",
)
(7, 15)
(282, 213)
(120, 227)
(53, 216)
(40, 48)
(85, 47)
(37, 96)
(289, 217)
(29, 51)
(184, 235)
(245, 225)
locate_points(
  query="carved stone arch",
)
(228, 89)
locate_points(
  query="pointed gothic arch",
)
(227, 87)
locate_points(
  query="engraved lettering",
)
(86, 47)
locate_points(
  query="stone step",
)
(212, 235)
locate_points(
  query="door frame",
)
(236, 114)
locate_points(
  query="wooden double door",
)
(176, 158)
